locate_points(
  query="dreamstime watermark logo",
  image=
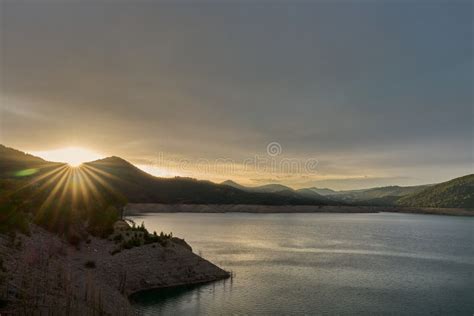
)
(273, 162)
(274, 149)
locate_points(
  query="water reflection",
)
(181, 299)
(324, 263)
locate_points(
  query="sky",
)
(338, 94)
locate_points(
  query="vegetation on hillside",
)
(68, 201)
(136, 236)
(456, 193)
(377, 195)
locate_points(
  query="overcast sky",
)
(377, 92)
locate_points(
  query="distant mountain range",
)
(373, 196)
(117, 175)
(268, 188)
(283, 190)
(140, 187)
(372, 193)
(376, 196)
(456, 193)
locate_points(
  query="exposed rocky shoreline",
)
(45, 274)
(133, 209)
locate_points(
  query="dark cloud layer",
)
(382, 90)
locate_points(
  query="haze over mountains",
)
(140, 187)
(373, 196)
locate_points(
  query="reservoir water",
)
(287, 264)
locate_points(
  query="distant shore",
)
(137, 208)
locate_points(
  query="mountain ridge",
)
(140, 187)
(268, 188)
(16, 164)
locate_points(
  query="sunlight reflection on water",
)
(324, 263)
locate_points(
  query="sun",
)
(73, 156)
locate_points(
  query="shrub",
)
(149, 239)
(101, 222)
(133, 242)
(162, 239)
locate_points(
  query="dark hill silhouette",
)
(311, 194)
(283, 190)
(234, 185)
(141, 187)
(115, 177)
(267, 188)
(53, 195)
(16, 164)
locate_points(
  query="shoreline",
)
(141, 208)
(131, 297)
(48, 275)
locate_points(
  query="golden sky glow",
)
(73, 156)
(158, 172)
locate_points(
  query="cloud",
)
(365, 88)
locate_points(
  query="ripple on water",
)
(323, 263)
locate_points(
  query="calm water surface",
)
(323, 264)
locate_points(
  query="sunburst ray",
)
(102, 182)
(91, 186)
(53, 193)
(102, 172)
(39, 178)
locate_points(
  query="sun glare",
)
(73, 156)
